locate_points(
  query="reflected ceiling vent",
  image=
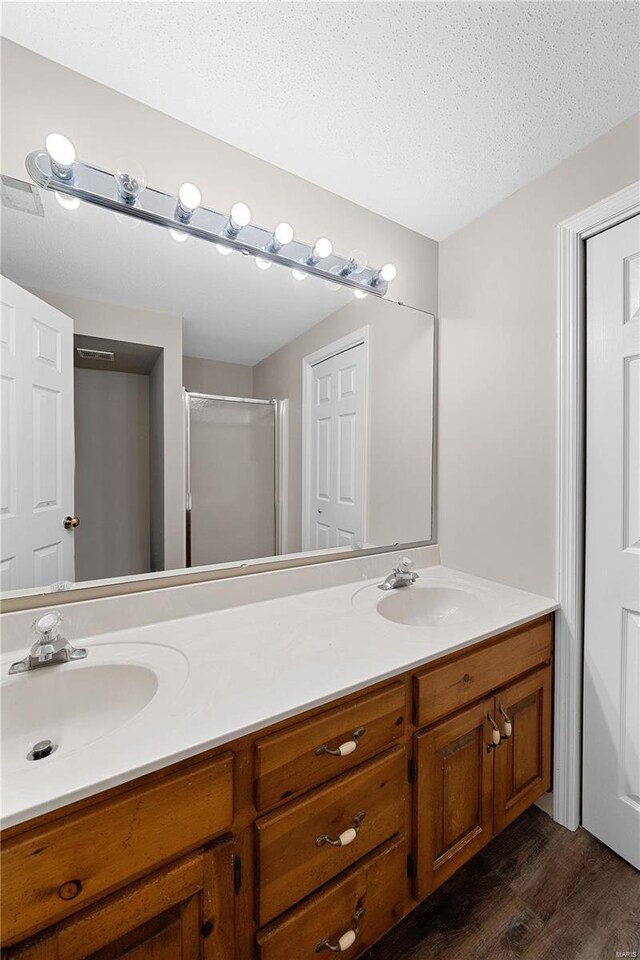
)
(108, 356)
(24, 197)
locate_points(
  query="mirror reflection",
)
(165, 406)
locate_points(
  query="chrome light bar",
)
(125, 194)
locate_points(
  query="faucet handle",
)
(47, 626)
(405, 564)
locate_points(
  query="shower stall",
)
(235, 478)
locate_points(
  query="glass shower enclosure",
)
(233, 488)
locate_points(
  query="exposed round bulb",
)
(263, 264)
(223, 250)
(322, 248)
(130, 179)
(299, 274)
(283, 233)
(189, 196)
(388, 272)
(240, 214)
(67, 203)
(60, 149)
(178, 235)
(360, 294)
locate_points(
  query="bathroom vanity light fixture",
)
(57, 168)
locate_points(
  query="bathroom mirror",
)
(166, 407)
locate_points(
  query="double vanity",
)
(278, 780)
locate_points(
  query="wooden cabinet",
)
(184, 912)
(523, 759)
(476, 772)
(298, 838)
(309, 841)
(361, 906)
(454, 795)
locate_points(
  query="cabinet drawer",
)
(53, 871)
(442, 690)
(376, 886)
(292, 858)
(290, 762)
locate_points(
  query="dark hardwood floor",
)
(536, 892)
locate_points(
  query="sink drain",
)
(41, 749)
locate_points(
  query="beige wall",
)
(216, 377)
(112, 489)
(39, 96)
(400, 414)
(94, 319)
(497, 397)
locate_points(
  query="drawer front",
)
(443, 690)
(290, 762)
(52, 872)
(293, 860)
(368, 900)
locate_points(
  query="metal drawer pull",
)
(495, 734)
(347, 939)
(346, 837)
(345, 748)
(508, 726)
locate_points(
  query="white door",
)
(611, 744)
(334, 422)
(36, 441)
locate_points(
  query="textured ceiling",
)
(428, 113)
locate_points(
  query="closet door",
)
(611, 727)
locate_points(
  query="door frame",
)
(570, 508)
(360, 337)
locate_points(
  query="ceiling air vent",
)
(106, 355)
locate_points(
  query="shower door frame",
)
(279, 465)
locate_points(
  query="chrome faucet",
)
(50, 647)
(402, 576)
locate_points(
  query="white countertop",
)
(225, 674)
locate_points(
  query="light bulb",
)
(388, 272)
(178, 235)
(263, 264)
(283, 234)
(67, 203)
(323, 248)
(299, 274)
(130, 180)
(360, 294)
(189, 196)
(62, 155)
(223, 250)
(240, 215)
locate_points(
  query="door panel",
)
(453, 800)
(611, 723)
(335, 411)
(37, 440)
(523, 759)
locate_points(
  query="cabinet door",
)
(454, 794)
(184, 912)
(523, 759)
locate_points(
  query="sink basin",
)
(430, 604)
(76, 704)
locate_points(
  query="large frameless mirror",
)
(169, 404)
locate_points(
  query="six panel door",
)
(523, 759)
(454, 789)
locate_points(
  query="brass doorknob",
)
(70, 523)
